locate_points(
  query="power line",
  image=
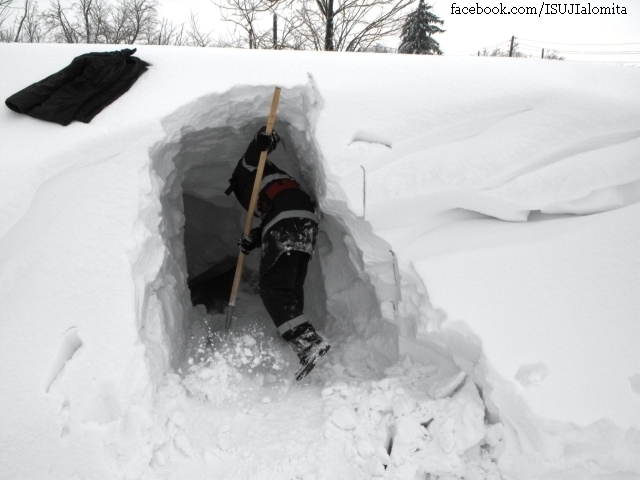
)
(597, 53)
(528, 48)
(581, 52)
(463, 52)
(580, 44)
(599, 61)
(497, 44)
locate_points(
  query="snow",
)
(476, 272)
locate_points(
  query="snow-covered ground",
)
(477, 272)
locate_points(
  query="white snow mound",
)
(476, 272)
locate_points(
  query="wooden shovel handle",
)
(261, 164)
(252, 207)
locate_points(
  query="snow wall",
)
(94, 304)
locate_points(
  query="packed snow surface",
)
(477, 272)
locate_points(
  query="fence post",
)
(364, 191)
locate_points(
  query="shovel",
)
(251, 210)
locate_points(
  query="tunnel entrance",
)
(213, 221)
(195, 239)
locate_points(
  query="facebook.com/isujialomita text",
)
(544, 9)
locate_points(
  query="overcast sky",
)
(466, 34)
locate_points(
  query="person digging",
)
(287, 235)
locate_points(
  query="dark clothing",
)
(281, 287)
(81, 90)
(289, 222)
(243, 178)
(295, 332)
(288, 233)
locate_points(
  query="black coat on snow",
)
(81, 90)
(289, 222)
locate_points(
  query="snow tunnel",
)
(195, 237)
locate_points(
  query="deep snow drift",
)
(477, 272)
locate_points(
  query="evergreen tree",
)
(417, 31)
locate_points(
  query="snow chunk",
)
(403, 406)
(531, 374)
(371, 137)
(494, 434)
(326, 392)
(70, 344)
(446, 386)
(460, 424)
(184, 444)
(345, 418)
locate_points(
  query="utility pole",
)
(511, 48)
(542, 57)
(328, 38)
(275, 31)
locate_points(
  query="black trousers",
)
(281, 288)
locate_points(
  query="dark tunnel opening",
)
(213, 221)
(195, 237)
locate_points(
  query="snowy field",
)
(477, 272)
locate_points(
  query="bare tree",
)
(167, 33)
(143, 14)
(309, 30)
(29, 26)
(128, 20)
(5, 10)
(59, 23)
(33, 30)
(230, 41)
(24, 17)
(101, 21)
(6, 33)
(138, 21)
(195, 34)
(499, 52)
(357, 25)
(289, 36)
(125, 21)
(348, 25)
(245, 15)
(380, 48)
(26, 26)
(553, 55)
(79, 23)
(117, 30)
(84, 19)
(96, 21)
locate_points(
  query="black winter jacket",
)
(81, 90)
(289, 221)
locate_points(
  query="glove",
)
(266, 142)
(247, 243)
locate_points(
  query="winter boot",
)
(308, 345)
